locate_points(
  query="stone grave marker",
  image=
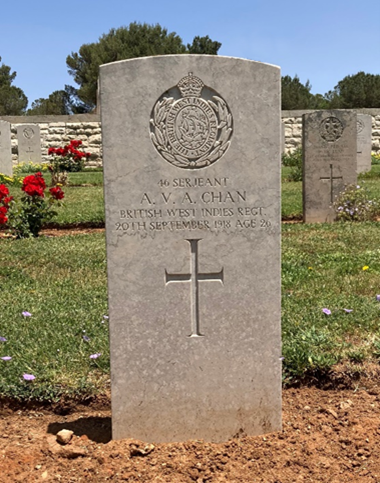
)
(29, 143)
(329, 161)
(192, 198)
(364, 142)
(5, 148)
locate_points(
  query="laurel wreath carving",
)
(160, 140)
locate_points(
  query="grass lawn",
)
(82, 204)
(334, 267)
(62, 282)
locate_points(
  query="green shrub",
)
(375, 158)
(354, 204)
(30, 168)
(293, 160)
(10, 180)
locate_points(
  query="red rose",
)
(33, 190)
(4, 191)
(7, 200)
(60, 152)
(34, 185)
(3, 217)
(57, 193)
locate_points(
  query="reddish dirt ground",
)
(328, 436)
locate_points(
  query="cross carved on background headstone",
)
(332, 178)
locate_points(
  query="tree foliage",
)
(136, 40)
(356, 91)
(13, 101)
(296, 95)
(58, 103)
(203, 45)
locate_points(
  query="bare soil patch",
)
(328, 436)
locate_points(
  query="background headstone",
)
(29, 143)
(192, 198)
(329, 161)
(364, 142)
(282, 138)
(5, 148)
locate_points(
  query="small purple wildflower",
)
(6, 358)
(348, 310)
(86, 338)
(3, 339)
(326, 311)
(28, 377)
(26, 314)
(377, 298)
(282, 358)
(95, 356)
(105, 317)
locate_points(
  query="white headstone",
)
(192, 199)
(329, 161)
(5, 148)
(364, 143)
(29, 143)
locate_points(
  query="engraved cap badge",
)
(331, 129)
(359, 125)
(192, 128)
(28, 133)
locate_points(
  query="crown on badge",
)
(190, 86)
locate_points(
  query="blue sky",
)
(319, 40)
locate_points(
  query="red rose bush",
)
(66, 159)
(25, 219)
(5, 200)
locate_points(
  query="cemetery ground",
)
(54, 326)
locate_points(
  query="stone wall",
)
(59, 130)
(56, 131)
(293, 128)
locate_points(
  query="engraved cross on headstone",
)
(194, 277)
(30, 151)
(332, 178)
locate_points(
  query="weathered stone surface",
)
(364, 142)
(5, 149)
(29, 143)
(329, 161)
(97, 139)
(192, 198)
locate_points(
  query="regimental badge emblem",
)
(331, 129)
(191, 125)
(359, 126)
(28, 133)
